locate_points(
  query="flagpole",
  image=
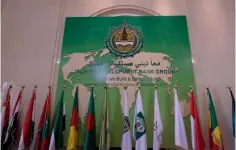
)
(49, 93)
(105, 141)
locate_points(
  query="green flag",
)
(90, 137)
(233, 111)
(214, 129)
(104, 134)
(46, 127)
(57, 137)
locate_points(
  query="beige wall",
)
(32, 32)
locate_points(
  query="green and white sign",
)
(126, 51)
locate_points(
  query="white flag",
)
(139, 133)
(126, 139)
(157, 125)
(52, 145)
(180, 133)
(4, 91)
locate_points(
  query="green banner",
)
(126, 51)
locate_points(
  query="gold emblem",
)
(124, 40)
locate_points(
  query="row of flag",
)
(52, 141)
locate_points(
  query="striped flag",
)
(216, 142)
(11, 130)
(73, 136)
(27, 133)
(197, 138)
(57, 137)
(157, 126)
(126, 139)
(5, 115)
(44, 124)
(139, 133)
(104, 134)
(180, 133)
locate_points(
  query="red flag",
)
(28, 128)
(42, 122)
(197, 138)
(10, 138)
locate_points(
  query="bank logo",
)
(124, 40)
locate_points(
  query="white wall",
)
(32, 32)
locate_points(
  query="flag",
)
(126, 139)
(11, 130)
(57, 136)
(214, 130)
(233, 111)
(5, 115)
(197, 138)
(180, 133)
(44, 124)
(90, 136)
(27, 133)
(139, 132)
(157, 126)
(73, 136)
(104, 133)
(4, 92)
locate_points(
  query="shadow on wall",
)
(127, 10)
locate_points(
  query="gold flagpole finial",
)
(105, 86)
(125, 87)
(10, 86)
(138, 84)
(191, 88)
(155, 86)
(175, 86)
(49, 86)
(22, 87)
